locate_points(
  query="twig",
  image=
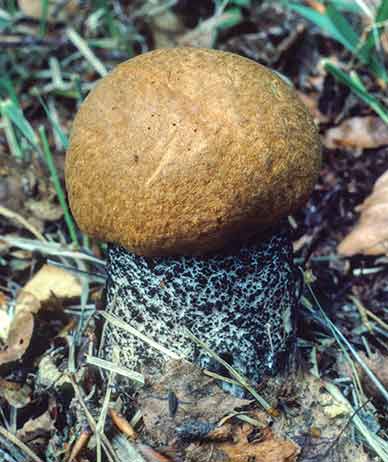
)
(378, 444)
(122, 424)
(339, 336)
(110, 366)
(105, 442)
(338, 437)
(104, 410)
(81, 443)
(6, 434)
(375, 318)
(49, 248)
(362, 310)
(87, 53)
(242, 381)
(122, 325)
(15, 216)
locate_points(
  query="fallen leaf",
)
(335, 410)
(151, 455)
(49, 375)
(357, 132)
(27, 195)
(80, 444)
(35, 428)
(16, 394)
(370, 235)
(44, 209)
(378, 364)
(5, 319)
(311, 102)
(51, 280)
(183, 398)
(18, 326)
(122, 424)
(204, 34)
(165, 28)
(19, 335)
(272, 449)
(245, 446)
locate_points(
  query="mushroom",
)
(188, 162)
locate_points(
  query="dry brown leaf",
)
(15, 394)
(122, 424)
(265, 447)
(357, 132)
(37, 427)
(378, 364)
(166, 27)
(370, 235)
(80, 444)
(18, 338)
(51, 280)
(204, 34)
(151, 455)
(27, 197)
(272, 449)
(44, 209)
(17, 328)
(34, 8)
(311, 101)
(198, 402)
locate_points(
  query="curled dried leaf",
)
(18, 322)
(357, 132)
(19, 336)
(370, 235)
(270, 448)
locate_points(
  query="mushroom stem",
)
(241, 305)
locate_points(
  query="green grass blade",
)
(382, 12)
(15, 114)
(342, 340)
(85, 50)
(372, 45)
(5, 20)
(13, 144)
(241, 3)
(8, 90)
(353, 82)
(232, 17)
(43, 17)
(349, 37)
(58, 187)
(319, 19)
(347, 5)
(56, 127)
(338, 27)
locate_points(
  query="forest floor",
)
(57, 401)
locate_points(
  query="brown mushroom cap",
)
(178, 151)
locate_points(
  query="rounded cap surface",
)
(181, 151)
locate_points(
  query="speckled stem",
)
(241, 305)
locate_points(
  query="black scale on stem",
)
(242, 306)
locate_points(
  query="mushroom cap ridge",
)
(181, 151)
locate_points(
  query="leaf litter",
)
(51, 397)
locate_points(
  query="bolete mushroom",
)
(188, 161)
